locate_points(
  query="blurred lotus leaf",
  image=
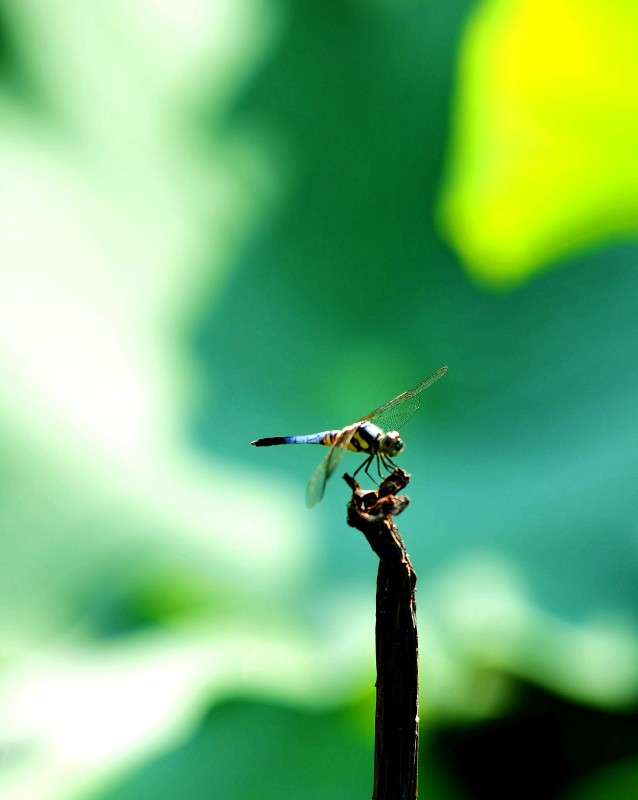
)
(543, 158)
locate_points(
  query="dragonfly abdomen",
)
(325, 437)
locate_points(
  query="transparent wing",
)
(317, 483)
(398, 411)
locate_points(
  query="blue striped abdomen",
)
(325, 437)
(364, 438)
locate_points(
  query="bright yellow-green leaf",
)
(544, 155)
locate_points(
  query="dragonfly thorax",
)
(391, 444)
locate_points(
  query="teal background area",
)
(236, 209)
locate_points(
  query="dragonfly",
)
(376, 435)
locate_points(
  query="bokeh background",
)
(223, 220)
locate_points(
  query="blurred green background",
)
(225, 220)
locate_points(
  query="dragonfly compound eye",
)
(392, 444)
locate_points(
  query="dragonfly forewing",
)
(396, 412)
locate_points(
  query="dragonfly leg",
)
(369, 464)
(380, 460)
(388, 464)
(383, 462)
(363, 465)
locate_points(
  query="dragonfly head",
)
(391, 444)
